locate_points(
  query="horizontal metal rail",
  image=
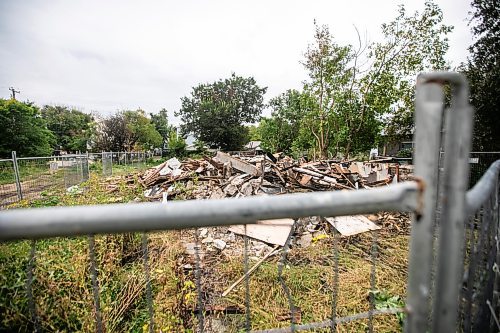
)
(118, 218)
(478, 195)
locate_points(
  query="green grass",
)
(62, 287)
(63, 290)
(309, 275)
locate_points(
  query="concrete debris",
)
(234, 176)
(207, 240)
(304, 240)
(219, 243)
(203, 232)
(352, 225)
(190, 248)
(270, 231)
(225, 176)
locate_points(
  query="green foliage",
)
(23, 130)
(160, 121)
(413, 44)
(71, 128)
(254, 133)
(383, 300)
(355, 93)
(282, 131)
(483, 73)
(142, 131)
(200, 147)
(407, 152)
(126, 131)
(176, 145)
(216, 112)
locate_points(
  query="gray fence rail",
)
(453, 275)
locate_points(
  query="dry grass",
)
(309, 275)
(63, 290)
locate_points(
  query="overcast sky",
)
(104, 56)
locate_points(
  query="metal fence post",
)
(16, 174)
(428, 120)
(453, 213)
(496, 266)
(80, 158)
(88, 164)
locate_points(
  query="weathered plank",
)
(238, 164)
(352, 225)
(269, 231)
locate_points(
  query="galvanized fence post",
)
(16, 174)
(453, 205)
(87, 164)
(80, 159)
(496, 266)
(428, 120)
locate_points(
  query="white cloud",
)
(108, 55)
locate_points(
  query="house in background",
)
(254, 146)
(394, 148)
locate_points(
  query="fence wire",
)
(32, 177)
(479, 301)
(481, 278)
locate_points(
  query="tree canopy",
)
(356, 93)
(160, 121)
(216, 112)
(23, 130)
(71, 128)
(483, 73)
(126, 131)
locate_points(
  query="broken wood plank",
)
(250, 271)
(269, 231)
(352, 225)
(305, 179)
(315, 174)
(238, 164)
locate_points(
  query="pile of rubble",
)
(230, 176)
(225, 176)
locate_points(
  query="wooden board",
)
(269, 231)
(238, 164)
(352, 225)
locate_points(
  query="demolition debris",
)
(230, 176)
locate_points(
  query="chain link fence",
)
(479, 162)
(29, 177)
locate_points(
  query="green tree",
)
(254, 133)
(355, 101)
(216, 113)
(327, 64)
(412, 44)
(126, 131)
(72, 128)
(142, 131)
(176, 145)
(23, 130)
(483, 73)
(111, 134)
(160, 121)
(282, 131)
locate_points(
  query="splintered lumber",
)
(269, 231)
(250, 271)
(238, 164)
(316, 174)
(352, 225)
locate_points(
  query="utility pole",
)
(13, 92)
